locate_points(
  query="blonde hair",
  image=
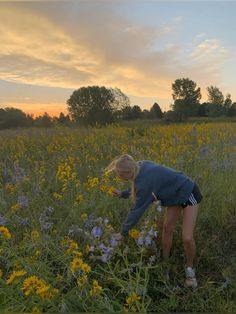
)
(125, 163)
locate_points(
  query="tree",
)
(63, 119)
(12, 118)
(232, 110)
(156, 112)
(215, 96)
(96, 105)
(215, 102)
(146, 114)
(203, 110)
(125, 113)
(44, 121)
(186, 97)
(172, 116)
(136, 112)
(227, 105)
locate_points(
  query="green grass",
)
(68, 162)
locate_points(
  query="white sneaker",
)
(190, 281)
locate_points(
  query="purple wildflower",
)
(105, 249)
(18, 175)
(140, 241)
(50, 209)
(113, 242)
(47, 226)
(92, 248)
(23, 201)
(89, 221)
(46, 237)
(97, 232)
(152, 233)
(24, 221)
(104, 258)
(148, 241)
(3, 221)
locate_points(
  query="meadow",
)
(57, 217)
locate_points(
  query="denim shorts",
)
(194, 198)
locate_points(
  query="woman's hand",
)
(116, 193)
(117, 236)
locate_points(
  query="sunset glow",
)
(50, 48)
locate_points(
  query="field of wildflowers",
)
(57, 217)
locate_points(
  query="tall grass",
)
(57, 217)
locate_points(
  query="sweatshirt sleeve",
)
(143, 200)
(125, 193)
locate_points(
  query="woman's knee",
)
(187, 239)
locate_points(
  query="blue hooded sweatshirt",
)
(170, 187)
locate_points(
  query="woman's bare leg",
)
(189, 221)
(172, 215)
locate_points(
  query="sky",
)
(48, 49)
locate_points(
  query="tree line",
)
(95, 105)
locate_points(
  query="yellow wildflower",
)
(71, 247)
(84, 216)
(93, 181)
(14, 275)
(15, 207)
(57, 196)
(79, 198)
(9, 187)
(77, 183)
(34, 234)
(109, 227)
(18, 265)
(76, 263)
(35, 309)
(132, 298)
(107, 189)
(81, 281)
(87, 249)
(96, 288)
(134, 233)
(86, 268)
(39, 286)
(5, 232)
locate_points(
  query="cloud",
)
(208, 49)
(69, 45)
(100, 48)
(207, 59)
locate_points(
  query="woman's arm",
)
(143, 200)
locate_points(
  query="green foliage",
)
(13, 118)
(215, 96)
(156, 112)
(96, 105)
(186, 97)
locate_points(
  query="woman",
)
(151, 181)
